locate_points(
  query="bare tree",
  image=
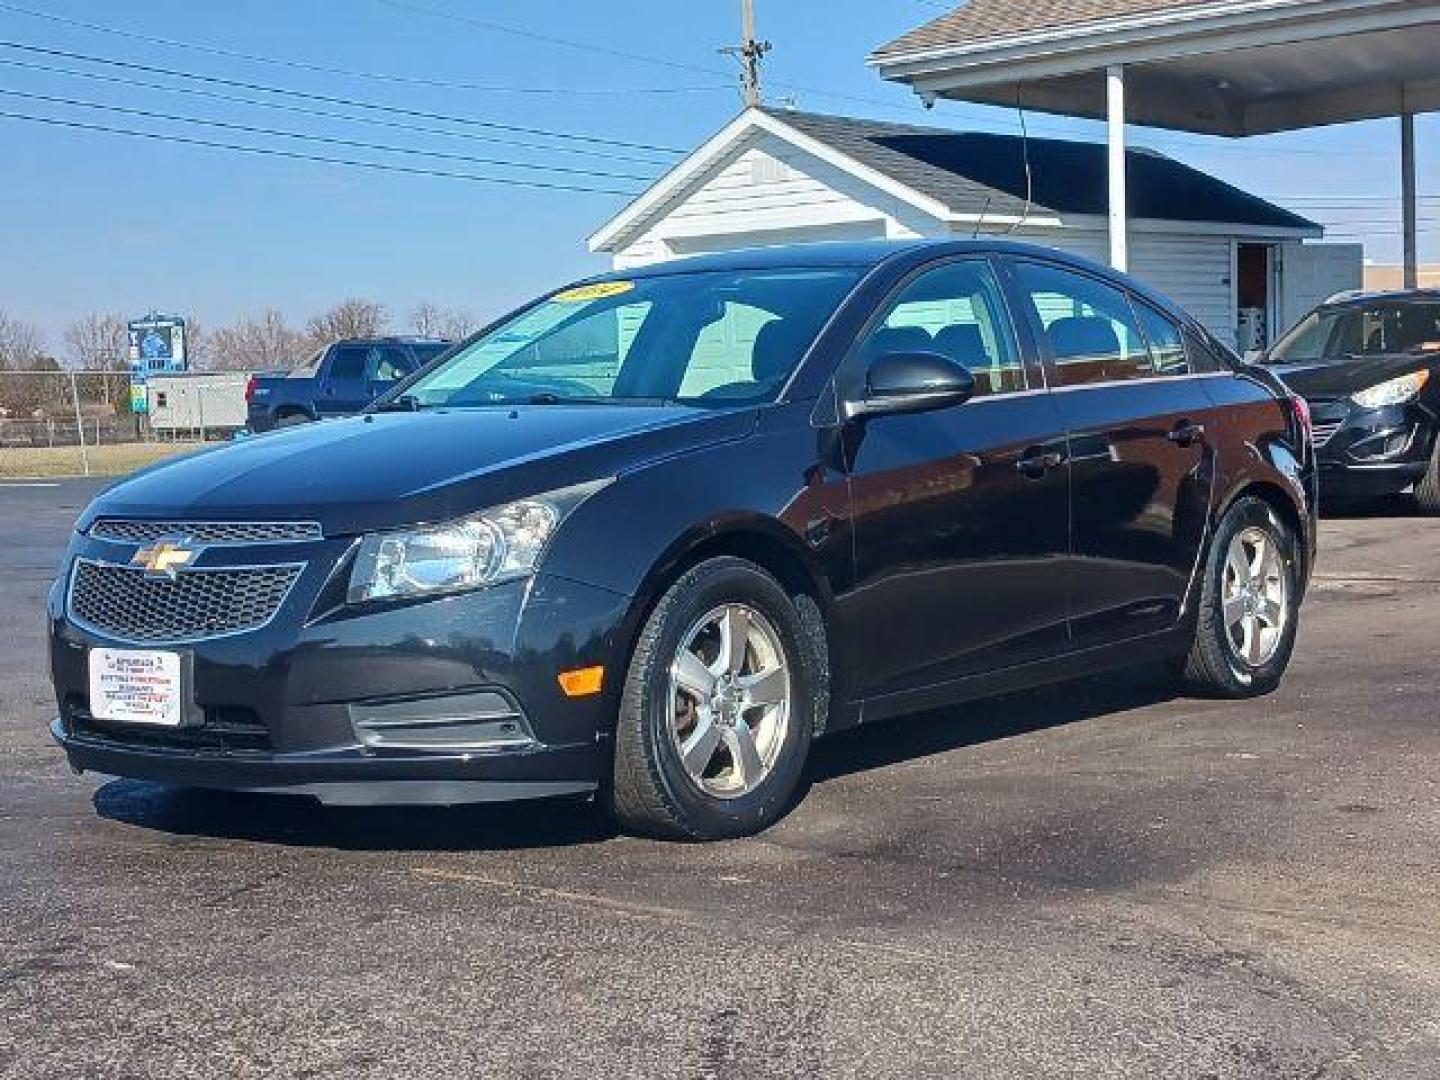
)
(20, 345)
(452, 324)
(22, 349)
(257, 343)
(197, 343)
(98, 342)
(351, 318)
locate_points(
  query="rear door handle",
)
(1037, 462)
(1187, 434)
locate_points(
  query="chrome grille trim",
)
(128, 604)
(210, 533)
(1322, 431)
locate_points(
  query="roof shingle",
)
(980, 173)
(984, 20)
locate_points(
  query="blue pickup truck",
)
(340, 379)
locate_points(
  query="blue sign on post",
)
(157, 346)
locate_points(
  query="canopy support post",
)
(1408, 200)
(1115, 145)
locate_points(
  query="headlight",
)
(1392, 391)
(499, 544)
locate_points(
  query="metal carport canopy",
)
(1216, 68)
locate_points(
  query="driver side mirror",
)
(906, 382)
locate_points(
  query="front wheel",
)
(1249, 605)
(1427, 489)
(718, 707)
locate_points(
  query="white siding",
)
(774, 193)
(1192, 269)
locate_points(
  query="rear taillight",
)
(249, 389)
(1303, 422)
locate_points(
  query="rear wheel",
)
(1249, 603)
(718, 707)
(1427, 491)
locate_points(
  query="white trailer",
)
(197, 403)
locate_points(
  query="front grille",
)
(1322, 431)
(131, 605)
(131, 531)
(226, 729)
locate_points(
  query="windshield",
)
(721, 338)
(1379, 329)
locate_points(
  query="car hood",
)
(1339, 377)
(389, 469)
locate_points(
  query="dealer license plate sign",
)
(136, 686)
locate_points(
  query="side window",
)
(956, 310)
(1089, 326)
(348, 363)
(390, 363)
(1167, 347)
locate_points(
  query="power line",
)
(302, 65)
(326, 114)
(328, 140)
(353, 103)
(296, 155)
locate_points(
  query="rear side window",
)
(1088, 327)
(1204, 355)
(1167, 347)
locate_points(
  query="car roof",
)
(1389, 296)
(391, 339)
(869, 254)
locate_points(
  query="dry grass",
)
(23, 462)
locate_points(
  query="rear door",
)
(1141, 464)
(960, 515)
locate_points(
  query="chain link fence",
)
(80, 423)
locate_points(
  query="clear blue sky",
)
(103, 222)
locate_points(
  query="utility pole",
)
(750, 52)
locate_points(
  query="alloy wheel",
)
(729, 700)
(1255, 596)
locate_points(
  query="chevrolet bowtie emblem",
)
(165, 557)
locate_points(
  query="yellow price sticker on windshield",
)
(598, 291)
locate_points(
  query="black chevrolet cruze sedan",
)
(651, 535)
(1369, 367)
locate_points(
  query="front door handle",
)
(1036, 463)
(1187, 434)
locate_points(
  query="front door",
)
(1140, 457)
(960, 516)
(343, 389)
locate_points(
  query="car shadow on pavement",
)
(921, 735)
(1393, 506)
(299, 821)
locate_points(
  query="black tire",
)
(292, 419)
(651, 791)
(1214, 666)
(1427, 490)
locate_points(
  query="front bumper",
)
(1366, 454)
(450, 700)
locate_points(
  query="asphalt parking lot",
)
(1099, 880)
